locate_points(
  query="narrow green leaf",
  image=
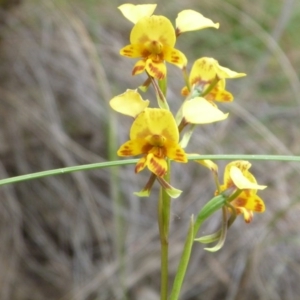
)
(184, 260)
(208, 209)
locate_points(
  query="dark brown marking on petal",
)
(158, 74)
(159, 170)
(199, 81)
(180, 156)
(146, 148)
(137, 69)
(127, 52)
(125, 152)
(250, 218)
(145, 53)
(226, 97)
(175, 59)
(258, 206)
(139, 166)
(240, 202)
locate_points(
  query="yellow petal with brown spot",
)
(157, 70)
(132, 51)
(254, 203)
(139, 67)
(174, 57)
(132, 147)
(175, 152)
(141, 164)
(157, 165)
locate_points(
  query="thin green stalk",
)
(164, 207)
(264, 157)
(164, 285)
(67, 170)
(124, 162)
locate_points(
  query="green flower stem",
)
(164, 207)
(164, 248)
(125, 162)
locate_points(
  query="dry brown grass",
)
(59, 68)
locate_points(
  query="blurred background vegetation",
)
(85, 236)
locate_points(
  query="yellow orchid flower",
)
(153, 39)
(154, 134)
(129, 103)
(237, 177)
(207, 68)
(135, 12)
(206, 71)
